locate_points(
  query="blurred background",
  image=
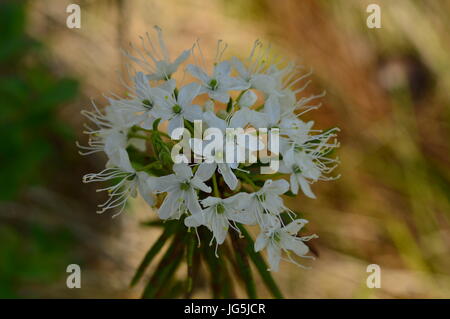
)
(387, 89)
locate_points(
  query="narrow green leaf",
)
(154, 250)
(155, 124)
(220, 279)
(243, 265)
(212, 264)
(229, 105)
(175, 290)
(167, 277)
(166, 267)
(153, 223)
(190, 263)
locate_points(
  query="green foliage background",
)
(30, 95)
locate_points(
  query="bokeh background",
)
(387, 89)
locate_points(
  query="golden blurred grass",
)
(387, 89)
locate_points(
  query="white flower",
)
(176, 108)
(262, 109)
(208, 169)
(272, 112)
(306, 159)
(274, 81)
(160, 67)
(256, 63)
(258, 74)
(286, 121)
(182, 192)
(131, 181)
(235, 136)
(277, 239)
(231, 145)
(218, 85)
(219, 215)
(297, 130)
(301, 167)
(247, 115)
(110, 133)
(267, 201)
(142, 109)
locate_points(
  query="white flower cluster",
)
(257, 94)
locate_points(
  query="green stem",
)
(189, 126)
(151, 131)
(156, 165)
(215, 186)
(248, 180)
(239, 96)
(133, 135)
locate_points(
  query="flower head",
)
(261, 94)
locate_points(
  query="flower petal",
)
(213, 121)
(171, 205)
(197, 183)
(210, 201)
(294, 183)
(274, 256)
(205, 171)
(182, 170)
(188, 93)
(261, 242)
(219, 227)
(175, 122)
(305, 186)
(197, 73)
(195, 220)
(193, 113)
(145, 185)
(228, 175)
(192, 201)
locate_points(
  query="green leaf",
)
(220, 280)
(60, 92)
(153, 223)
(190, 263)
(229, 105)
(154, 250)
(166, 267)
(156, 124)
(243, 265)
